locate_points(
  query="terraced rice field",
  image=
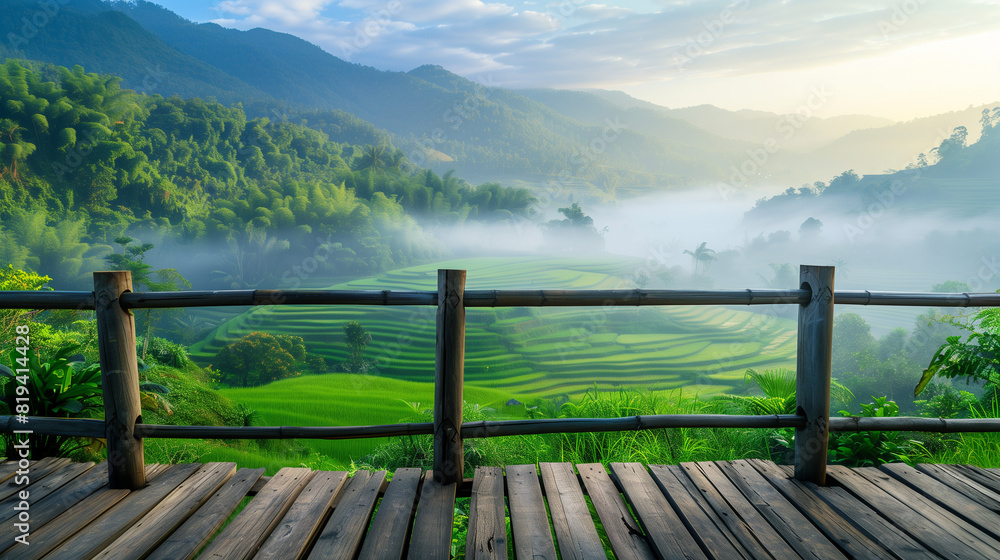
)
(540, 352)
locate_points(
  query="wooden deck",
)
(727, 510)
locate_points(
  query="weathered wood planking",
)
(341, 537)
(387, 536)
(39, 489)
(665, 530)
(244, 535)
(835, 526)
(72, 520)
(291, 538)
(725, 514)
(927, 526)
(104, 530)
(703, 524)
(487, 536)
(56, 504)
(154, 528)
(571, 519)
(38, 471)
(981, 476)
(8, 468)
(528, 519)
(190, 537)
(967, 508)
(767, 535)
(627, 540)
(805, 538)
(972, 489)
(869, 521)
(431, 537)
(943, 515)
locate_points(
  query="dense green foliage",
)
(976, 358)
(56, 387)
(260, 358)
(83, 160)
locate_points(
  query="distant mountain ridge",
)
(595, 143)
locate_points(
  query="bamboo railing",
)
(113, 300)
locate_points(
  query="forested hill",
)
(482, 130)
(956, 180)
(82, 161)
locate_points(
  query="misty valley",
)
(203, 158)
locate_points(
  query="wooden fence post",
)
(120, 380)
(449, 372)
(812, 389)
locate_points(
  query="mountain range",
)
(601, 144)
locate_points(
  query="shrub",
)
(259, 358)
(58, 388)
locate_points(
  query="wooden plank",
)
(838, 529)
(391, 527)
(487, 536)
(952, 519)
(39, 489)
(65, 526)
(8, 468)
(702, 523)
(725, 514)
(878, 528)
(190, 537)
(528, 521)
(754, 519)
(66, 522)
(342, 535)
(972, 489)
(39, 470)
(919, 518)
(245, 534)
(805, 538)
(571, 519)
(56, 504)
(105, 529)
(665, 530)
(154, 528)
(292, 537)
(981, 476)
(627, 540)
(431, 538)
(967, 508)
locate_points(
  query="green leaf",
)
(6, 371)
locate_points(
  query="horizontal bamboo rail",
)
(493, 428)
(489, 298)
(815, 299)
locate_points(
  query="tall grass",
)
(979, 449)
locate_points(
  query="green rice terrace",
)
(513, 353)
(541, 352)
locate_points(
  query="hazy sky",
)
(895, 58)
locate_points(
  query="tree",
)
(132, 258)
(575, 232)
(702, 257)
(357, 342)
(259, 358)
(13, 279)
(977, 358)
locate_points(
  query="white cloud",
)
(571, 43)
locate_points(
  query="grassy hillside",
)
(540, 352)
(341, 400)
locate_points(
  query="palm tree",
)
(702, 257)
